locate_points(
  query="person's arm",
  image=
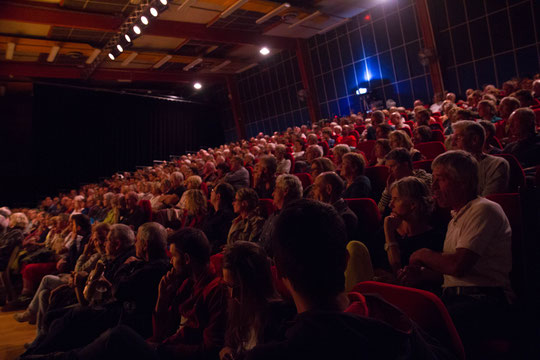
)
(384, 201)
(497, 180)
(167, 289)
(391, 223)
(456, 264)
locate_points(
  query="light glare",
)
(144, 20)
(164, 2)
(111, 56)
(154, 12)
(128, 39)
(197, 86)
(264, 51)
(119, 47)
(137, 29)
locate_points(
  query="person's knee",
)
(118, 335)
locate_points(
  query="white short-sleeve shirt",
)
(482, 227)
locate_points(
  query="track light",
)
(264, 51)
(119, 47)
(52, 53)
(144, 20)
(111, 56)
(220, 66)
(197, 85)
(93, 57)
(303, 20)
(128, 39)
(154, 12)
(162, 61)
(163, 2)
(10, 50)
(232, 8)
(272, 13)
(137, 30)
(192, 64)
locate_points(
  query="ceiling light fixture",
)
(126, 36)
(129, 59)
(52, 53)
(144, 20)
(197, 85)
(119, 47)
(154, 12)
(163, 2)
(273, 12)
(137, 30)
(307, 18)
(246, 68)
(264, 51)
(162, 61)
(192, 64)
(333, 26)
(111, 56)
(232, 8)
(10, 50)
(93, 57)
(220, 66)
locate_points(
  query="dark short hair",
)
(191, 241)
(334, 180)
(425, 132)
(387, 129)
(226, 192)
(83, 221)
(401, 155)
(309, 243)
(223, 167)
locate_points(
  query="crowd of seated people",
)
(127, 267)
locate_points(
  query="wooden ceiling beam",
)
(33, 70)
(23, 12)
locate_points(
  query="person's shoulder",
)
(486, 208)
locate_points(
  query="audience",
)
(238, 176)
(247, 226)
(526, 142)
(357, 184)
(217, 224)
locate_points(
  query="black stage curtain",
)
(80, 135)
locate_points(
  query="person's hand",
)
(226, 354)
(391, 223)
(410, 275)
(417, 257)
(167, 288)
(131, 259)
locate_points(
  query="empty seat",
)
(377, 176)
(437, 135)
(423, 307)
(305, 179)
(431, 149)
(367, 148)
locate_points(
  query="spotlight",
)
(154, 12)
(264, 51)
(163, 2)
(144, 20)
(128, 39)
(111, 56)
(137, 30)
(197, 85)
(119, 47)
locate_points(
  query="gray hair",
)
(269, 162)
(316, 150)
(123, 234)
(415, 190)
(341, 149)
(177, 177)
(292, 184)
(154, 236)
(19, 220)
(462, 167)
(280, 148)
(470, 128)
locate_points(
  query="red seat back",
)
(437, 135)
(436, 126)
(517, 175)
(360, 128)
(410, 123)
(407, 131)
(267, 206)
(423, 307)
(147, 209)
(216, 262)
(369, 217)
(305, 179)
(423, 164)
(204, 188)
(377, 176)
(431, 149)
(367, 148)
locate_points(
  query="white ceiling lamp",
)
(162, 61)
(192, 64)
(144, 20)
(333, 26)
(154, 12)
(119, 48)
(53, 53)
(185, 5)
(246, 68)
(163, 2)
(220, 66)
(232, 8)
(197, 86)
(276, 11)
(128, 39)
(129, 59)
(111, 56)
(307, 18)
(264, 51)
(93, 56)
(10, 50)
(137, 30)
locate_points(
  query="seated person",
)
(256, 313)
(323, 329)
(381, 148)
(358, 185)
(194, 209)
(493, 171)
(217, 224)
(288, 189)
(247, 226)
(382, 131)
(397, 121)
(526, 142)
(134, 216)
(338, 151)
(400, 165)
(313, 152)
(507, 106)
(421, 134)
(239, 176)
(488, 111)
(476, 258)
(399, 139)
(407, 228)
(264, 176)
(491, 146)
(328, 188)
(209, 172)
(283, 164)
(377, 118)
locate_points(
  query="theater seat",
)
(377, 176)
(267, 206)
(410, 123)
(423, 164)
(305, 179)
(423, 307)
(146, 206)
(437, 135)
(517, 175)
(367, 148)
(431, 149)
(369, 217)
(216, 262)
(407, 131)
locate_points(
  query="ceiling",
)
(31, 31)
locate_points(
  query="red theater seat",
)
(305, 179)
(377, 176)
(267, 205)
(367, 148)
(216, 262)
(437, 135)
(423, 164)
(517, 175)
(368, 214)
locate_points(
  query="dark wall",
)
(377, 50)
(486, 41)
(79, 135)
